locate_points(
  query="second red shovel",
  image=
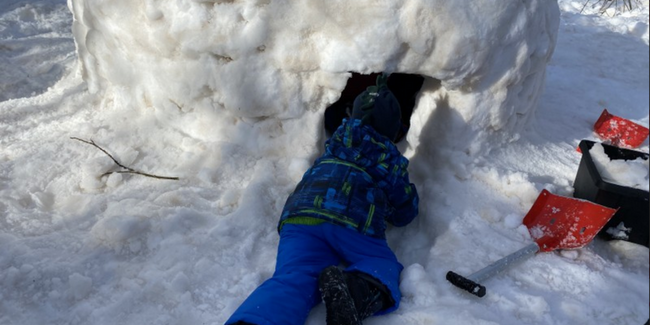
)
(620, 132)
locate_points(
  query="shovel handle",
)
(466, 284)
(471, 283)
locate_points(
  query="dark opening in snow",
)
(404, 86)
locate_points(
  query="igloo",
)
(193, 63)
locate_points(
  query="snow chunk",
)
(80, 285)
(512, 221)
(417, 287)
(180, 283)
(619, 232)
(630, 173)
(121, 231)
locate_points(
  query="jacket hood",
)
(362, 145)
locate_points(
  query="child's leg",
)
(369, 256)
(288, 296)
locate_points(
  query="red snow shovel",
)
(554, 222)
(619, 131)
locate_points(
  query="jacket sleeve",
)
(404, 199)
(401, 193)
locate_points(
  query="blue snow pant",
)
(304, 251)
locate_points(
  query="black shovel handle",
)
(466, 284)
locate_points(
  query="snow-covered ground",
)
(77, 248)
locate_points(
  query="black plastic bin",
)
(632, 203)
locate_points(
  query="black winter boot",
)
(338, 301)
(369, 295)
(351, 297)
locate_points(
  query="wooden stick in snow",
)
(128, 170)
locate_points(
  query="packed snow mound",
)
(208, 57)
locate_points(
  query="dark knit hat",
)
(378, 108)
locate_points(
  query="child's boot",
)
(351, 297)
(338, 301)
(368, 294)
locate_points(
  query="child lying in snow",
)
(337, 214)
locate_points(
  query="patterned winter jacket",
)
(360, 182)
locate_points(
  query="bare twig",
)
(606, 4)
(128, 170)
(583, 7)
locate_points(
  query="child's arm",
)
(404, 198)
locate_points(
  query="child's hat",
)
(378, 108)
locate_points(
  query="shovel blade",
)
(620, 132)
(558, 222)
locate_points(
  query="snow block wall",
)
(196, 63)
